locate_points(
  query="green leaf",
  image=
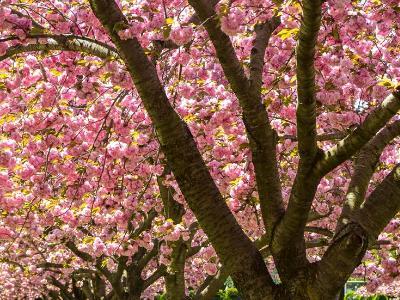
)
(287, 33)
(169, 21)
(36, 30)
(387, 83)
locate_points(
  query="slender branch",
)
(359, 137)
(365, 165)
(35, 24)
(262, 137)
(321, 137)
(212, 285)
(82, 255)
(160, 272)
(149, 255)
(145, 225)
(64, 43)
(315, 216)
(263, 33)
(11, 262)
(63, 288)
(172, 209)
(319, 230)
(352, 240)
(305, 71)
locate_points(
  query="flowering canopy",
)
(162, 146)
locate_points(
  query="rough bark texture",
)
(242, 260)
(233, 247)
(362, 219)
(248, 90)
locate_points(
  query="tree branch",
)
(203, 197)
(64, 43)
(319, 230)
(160, 272)
(63, 289)
(304, 189)
(321, 137)
(350, 243)
(381, 206)
(263, 33)
(288, 240)
(365, 165)
(97, 262)
(82, 255)
(142, 263)
(359, 137)
(305, 71)
(212, 285)
(145, 225)
(261, 136)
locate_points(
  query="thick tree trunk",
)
(232, 245)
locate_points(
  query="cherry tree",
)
(159, 147)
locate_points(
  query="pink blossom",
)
(210, 268)
(181, 35)
(117, 149)
(231, 23)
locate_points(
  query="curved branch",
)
(359, 137)
(365, 165)
(64, 43)
(177, 143)
(261, 136)
(350, 243)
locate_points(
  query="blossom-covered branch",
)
(184, 158)
(364, 168)
(361, 135)
(261, 136)
(350, 243)
(292, 225)
(63, 43)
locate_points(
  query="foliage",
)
(156, 147)
(353, 296)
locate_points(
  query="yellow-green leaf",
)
(287, 33)
(169, 21)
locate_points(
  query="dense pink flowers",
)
(181, 35)
(232, 22)
(5, 233)
(81, 162)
